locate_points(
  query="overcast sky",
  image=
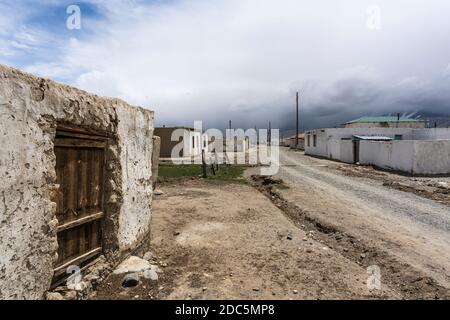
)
(215, 60)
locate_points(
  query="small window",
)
(398, 137)
(315, 140)
(308, 141)
(193, 142)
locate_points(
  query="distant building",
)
(386, 122)
(412, 150)
(291, 141)
(193, 141)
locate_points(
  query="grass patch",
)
(226, 173)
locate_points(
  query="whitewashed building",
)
(416, 151)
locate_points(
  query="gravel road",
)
(298, 168)
(413, 229)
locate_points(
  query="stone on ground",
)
(151, 275)
(133, 265)
(54, 296)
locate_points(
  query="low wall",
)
(393, 155)
(415, 157)
(421, 151)
(432, 157)
(31, 109)
(431, 134)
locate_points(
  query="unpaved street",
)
(408, 234)
(312, 234)
(228, 241)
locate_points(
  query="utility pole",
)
(296, 132)
(270, 133)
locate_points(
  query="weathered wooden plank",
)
(77, 261)
(59, 180)
(84, 220)
(96, 176)
(71, 186)
(78, 143)
(67, 128)
(59, 279)
(96, 233)
(75, 135)
(83, 197)
(61, 247)
(71, 244)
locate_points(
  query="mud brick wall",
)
(31, 108)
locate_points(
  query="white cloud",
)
(446, 72)
(218, 59)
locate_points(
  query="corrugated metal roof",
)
(374, 138)
(384, 119)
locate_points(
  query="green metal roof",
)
(384, 119)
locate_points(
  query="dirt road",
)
(312, 237)
(408, 234)
(228, 241)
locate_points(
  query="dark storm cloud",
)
(244, 59)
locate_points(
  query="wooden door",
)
(80, 171)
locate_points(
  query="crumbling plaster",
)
(30, 109)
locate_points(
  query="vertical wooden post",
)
(204, 165)
(217, 161)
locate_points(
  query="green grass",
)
(226, 173)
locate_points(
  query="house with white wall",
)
(416, 151)
(185, 142)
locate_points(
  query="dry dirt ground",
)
(228, 241)
(310, 232)
(406, 233)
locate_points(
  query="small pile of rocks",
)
(84, 289)
(134, 268)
